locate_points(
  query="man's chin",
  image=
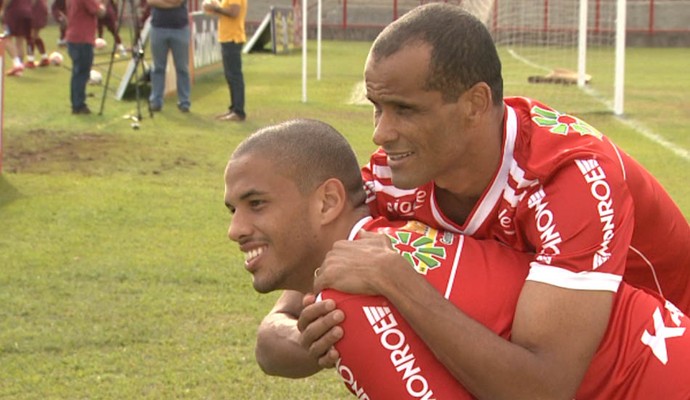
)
(405, 183)
(262, 287)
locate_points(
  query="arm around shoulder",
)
(278, 348)
(555, 334)
(555, 331)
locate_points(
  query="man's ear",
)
(478, 100)
(332, 198)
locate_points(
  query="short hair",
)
(308, 152)
(462, 50)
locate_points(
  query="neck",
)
(458, 195)
(338, 229)
(351, 218)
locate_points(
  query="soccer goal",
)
(567, 53)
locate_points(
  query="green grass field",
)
(117, 280)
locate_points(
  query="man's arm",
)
(279, 350)
(231, 10)
(555, 331)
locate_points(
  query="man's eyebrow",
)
(244, 196)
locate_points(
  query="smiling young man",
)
(297, 201)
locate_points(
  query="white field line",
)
(638, 127)
(656, 138)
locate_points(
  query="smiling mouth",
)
(252, 254)
(398, 157)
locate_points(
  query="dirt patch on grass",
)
(44, 151)
(47, 152)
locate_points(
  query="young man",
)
(455, 154)
(80, 35)
(231, 36)
(295, 193)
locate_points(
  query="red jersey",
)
(18, 9)
(17, 18)
(644, 354)
(381, 356)
(39, 12)
(563, 191)
(83, 21)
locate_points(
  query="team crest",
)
(419, 250)
(562, 124)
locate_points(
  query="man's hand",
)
(361, 266)
(318, 324)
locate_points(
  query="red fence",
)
(650, 16)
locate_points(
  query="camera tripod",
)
(136, 69)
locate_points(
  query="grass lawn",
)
(117, 280)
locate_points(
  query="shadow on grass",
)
(8, 193)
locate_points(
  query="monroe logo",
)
(349, 379)
(550, 237)
(601, 191)
(393, 339)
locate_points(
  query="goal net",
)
(546, 54)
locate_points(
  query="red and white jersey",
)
(644, 354)
(381, 356)
(563, 191)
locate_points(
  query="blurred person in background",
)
(80, 35)
(39, 21)
(110, 21)
(170, 33)
(59, 11)
(16, 18)
(231, 35)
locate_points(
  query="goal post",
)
(567, 53)
(305, 30)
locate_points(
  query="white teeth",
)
(399, 156)
(252, 254)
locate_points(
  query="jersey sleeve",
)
(581, 221)
(375, 179)
(382, 357)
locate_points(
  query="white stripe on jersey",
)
(518, 175)
(584, 280)
(384, 172)
(500, 182)
(392, 190)
(620, 160)
(454, 270)
(438, 217)
(357, 227)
